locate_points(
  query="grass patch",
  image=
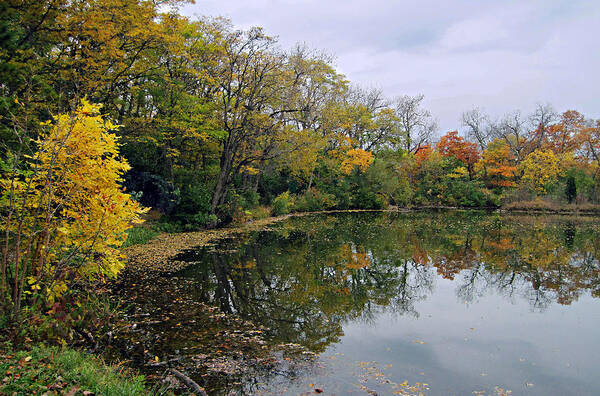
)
(546, 206)
(260, 212)
(65, 371)
(140, 235)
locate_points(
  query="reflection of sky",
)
(473, 347)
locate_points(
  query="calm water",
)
(464, 302)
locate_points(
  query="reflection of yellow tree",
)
(354, 259)
(542, 250)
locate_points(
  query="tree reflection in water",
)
(308, 276)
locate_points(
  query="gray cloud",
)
(498, 55)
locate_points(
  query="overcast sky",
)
(497, 55)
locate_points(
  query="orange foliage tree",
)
(567, 135)
(452, 145)
(498, 165)
(423, 154)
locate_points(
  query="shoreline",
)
(156, 255)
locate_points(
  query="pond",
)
(438, 303)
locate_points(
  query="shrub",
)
(200, 220)
(366, 198)
(153, 191)
(195, 203)
(314, 200)
(585, 186)
(66, 200)
(384, 178)
(249, 199)
(282, 204)
(571, 189)
(465, 194)
(260, 212)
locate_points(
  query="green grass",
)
(64, 371)
(140, 235)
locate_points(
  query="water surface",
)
(391, 303)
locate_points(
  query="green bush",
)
(367, 198)
(249, 199)
(260, 212)
(571, 189)
(195, 199)
(492, 199)
(314, 200)
(200, 220)
(153, 191)
(384, 179)
(464, 193)
(169, 227)
(586, 187)
(282, 204)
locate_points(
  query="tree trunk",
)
(222, 180)
(256, 181)
(219, 190)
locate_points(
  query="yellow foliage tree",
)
(65, 215)
(356, 158)
(540, 168)
(459, 172)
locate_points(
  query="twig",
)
(88, 337)
(187, 381)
